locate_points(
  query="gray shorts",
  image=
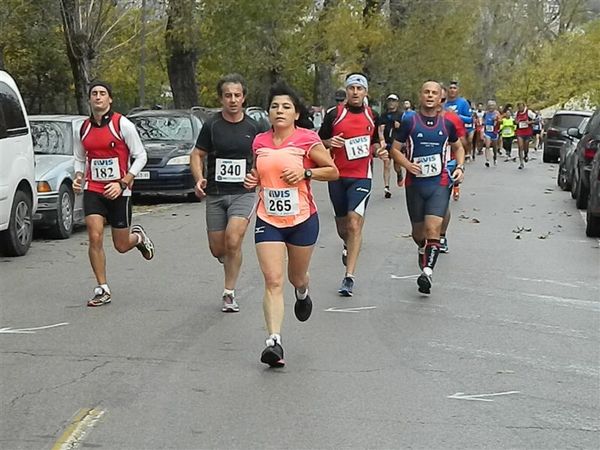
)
(220, 208)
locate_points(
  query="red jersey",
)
(107, 154)
(353, 160)
(524, 128)
(458, 123)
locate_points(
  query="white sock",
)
(105, 287)
(302, 295)
(229, 292)
(428, 271)
(139, 238)
(273, 339)
(349, 275)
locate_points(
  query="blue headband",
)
(359, 79)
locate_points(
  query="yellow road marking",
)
(77, 429)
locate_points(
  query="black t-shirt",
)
(388, 119)
(229, 149)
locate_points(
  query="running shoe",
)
(273, 354)
(345, 289)
(101, 297)
(345, 255)
(456, 192)
(526, 158)
(146, 247)
(302, 308)
(229, 304)
(424, 282)
(387, 193)
(487, 164)
(444, 245)
(521, 166)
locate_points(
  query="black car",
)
(589, 143)
(168, 136)
(592, 228)
(556, 133)
(566, 166)
(260, 116)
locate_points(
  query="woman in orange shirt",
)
(286, 158)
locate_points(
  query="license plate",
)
(144, 175)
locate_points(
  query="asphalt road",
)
(503, 354)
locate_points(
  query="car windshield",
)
(51, 138)
(566, 121)
(164, 128)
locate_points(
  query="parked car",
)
(260, 116)
(592, 228)
(566, 165)
(587, 147)
(168, 136)
(556, 133)
(18, 197)
(59, 209)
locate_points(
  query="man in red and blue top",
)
(351, 134)
(103, 149)
(427, 136)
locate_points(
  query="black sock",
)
(432, 250)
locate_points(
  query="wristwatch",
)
(123, 185)
(308, 174)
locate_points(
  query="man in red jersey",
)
(106, 143)
(351, 134)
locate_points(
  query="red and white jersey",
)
(524, 128)
(103, 152)
(354, 159)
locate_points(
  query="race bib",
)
(507, 132)
(281, 202)
(431, 165)
(489, 128)
(105, 169)
(230, 170)
(523, 124)
(357, 147)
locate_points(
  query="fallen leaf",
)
(474, 220)
(518, 236)
(517, 230)
(407, 235)
(527, 229)
(462, 216)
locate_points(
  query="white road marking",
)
(560, 283)
(586, 304)
(480, 397)
(73, 436)
(30, 330)
(351, 310)
(404, 277)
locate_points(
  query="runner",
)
(225, 141)
(388, 123)
(491, 121)
(538, 128)
(349, 131)
(479, 134)
(524, 119)
(460, 106)
(287, 223)
(507, 131)
(428, 177)
(460, 132)
(103, 148)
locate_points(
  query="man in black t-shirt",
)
(389, 121)
(225, 142)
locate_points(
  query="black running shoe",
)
(101, 297)
(424, 282)
(345, 289)
(345, 255)
(146, 247)
(302, 308)
(273, 354)
(387, 193)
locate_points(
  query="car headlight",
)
(179, 160)
(43, 186)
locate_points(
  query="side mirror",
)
(574, 132)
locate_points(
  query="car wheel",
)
(63, 227)
(545, 156)
(592, 229)
(16, 239)
(573, 186)
(581, 195)
(561, 179)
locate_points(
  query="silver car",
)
(58, 208)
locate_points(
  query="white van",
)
(18, 194)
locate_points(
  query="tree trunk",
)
(2, 58)
(182, 56)
(323, 88)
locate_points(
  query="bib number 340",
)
(281, 202)
(230, 170)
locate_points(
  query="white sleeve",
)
(530, 114)
(134, 143)
(78, 150)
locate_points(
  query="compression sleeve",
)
(464, 111)
(78, 150)
(326, 130)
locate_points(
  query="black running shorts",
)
(117, 212)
